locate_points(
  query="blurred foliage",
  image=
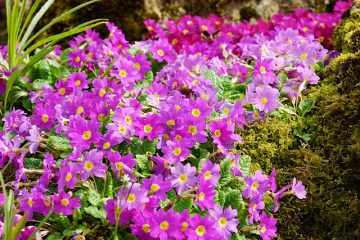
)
(328, 163)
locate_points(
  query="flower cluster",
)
(161, 121)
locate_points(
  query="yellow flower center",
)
(207, 175)
(182, 178)
(264, 100)
(192, 129)
(62, 91)
(263, 229)
(148, 128)
(137, 66)
(200, 230)
(123, 73)
(101, 117)
(164, 225)
(195, 112)
(254, 207)
(131, 198)
(79, 110)
(160, 52)
(256, 115)
(166, 136)
(155, 187)
(64, 202)
(204, 28)
(128, 120)
(305, 29)
(146, 228)
(86, 135)
(45, 118)
(30, 202)
(177, 107)
(88, 166)
(77, 83)
(119, 166)
(102, 92)
(170, 123)
(122, 129)
(177, 151)
(77, 59)
(184, 226)
(150, 28)
(201, 196)
(254, 186)
(217, 133)
(68, 176)
(303, 56)
(106, 145)
(226, 110)
(174, 41)
(178, 137)
(166, 164)
(222, 222)
(262, 70)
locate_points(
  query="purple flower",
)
(76, 58)
(226, 220)
(205, 196)
(256, 185)
(82, 133)
(141, 227)
(63, 203)
(34, 138)
(209, 173)
(255, 206)
(165, 225)
(156, 186)
(265, 98)
(267, 227)
(298, 189)
(113, 210)
(149, 127)
(133, 196)
(201, 228)
(93, 165)
(68, 176)
(78, 80)
(183, 177)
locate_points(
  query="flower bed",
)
(144, 139)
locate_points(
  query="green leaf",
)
(142, 162)
(225, 172)
(59, 144)
(14, 95)
(60, 222)
(27, 104)
(245, 162)
(220, 198)
(182, 204)
(234, 199)
(238, 236)
(54, 236)
(305, 136)
(109, 187)
(143, 147)
(95, 212)
(94, 197)
(32, 163)
(305, 106)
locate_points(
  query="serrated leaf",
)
(182, 204)
(238, 236)
(94, 197)
(300, 134)
(32, 163)
(225, 172)
(234, 199)
(95, 212)
(142, 162)
(109, 187)
(220, 198)
(305, 106)
(59, 144)
(244, 164)
(171, 195)
(143, 147)
(163, 204)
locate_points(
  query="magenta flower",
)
(68, 176)
(267, 227)
(205, 196)
(223, 134)
(121, 165)
(226, 220)
(133, 196)
(157, 187)
(162, 51)
(76, 58)
(209, 173)
(298, 189)
(82, 133)
(78, 80)
(165, 225)
(265, 98)
(44, 116)
(141, 227)
(93, 165)
(175, 150)
(256, 185)
(34, 139)
(201, 228)
(63, 203)
(255, 206)
(113, 210)
(183, 177)
(149, 127)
